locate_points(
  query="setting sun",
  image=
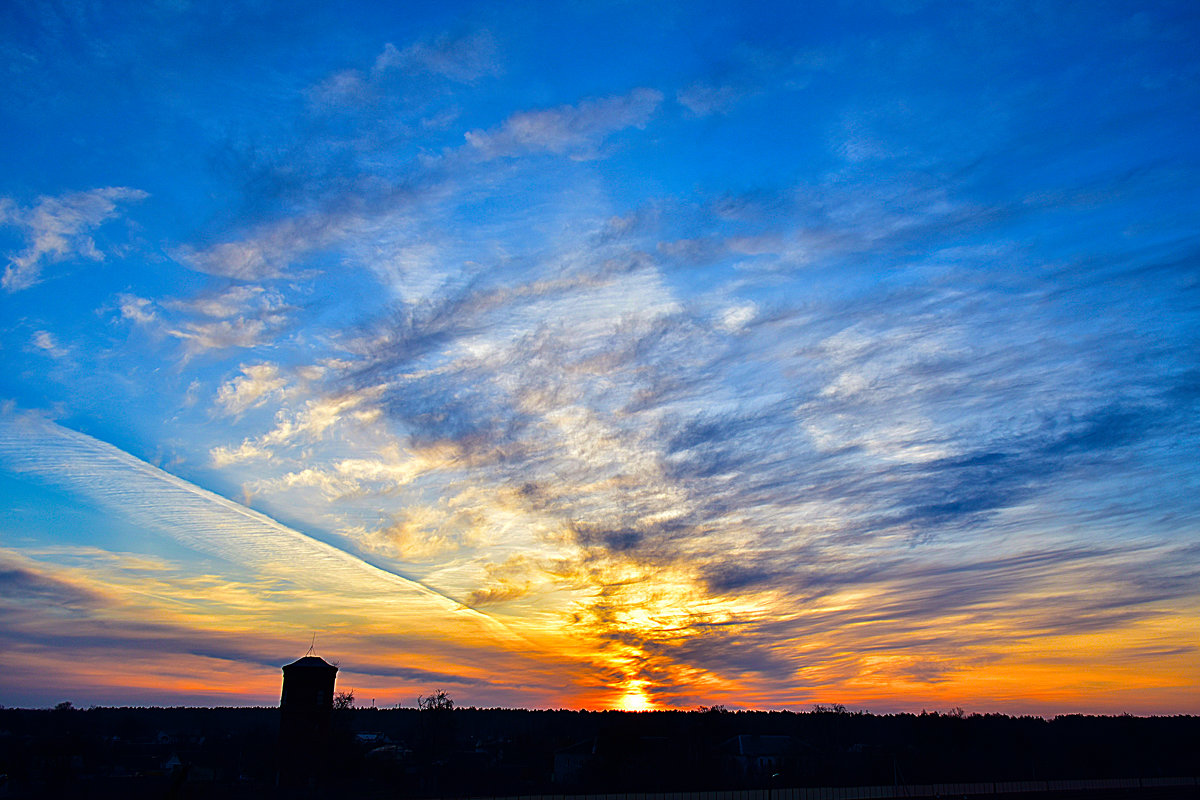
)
(635, 698)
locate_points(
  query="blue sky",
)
(651, 354)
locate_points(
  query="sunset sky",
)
(602, 354)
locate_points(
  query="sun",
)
(635, 698)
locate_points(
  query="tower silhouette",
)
(305, 718)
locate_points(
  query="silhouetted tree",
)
(343, 701)
(437, 725)
(438, 701)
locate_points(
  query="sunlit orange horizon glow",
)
(1010, 687)
(519, 662)
(529, 663)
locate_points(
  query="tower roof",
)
(310, 662)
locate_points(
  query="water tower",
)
(308, 687)
(305, 718)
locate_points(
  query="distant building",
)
(305, 719)
(570, 762)
(756, 758)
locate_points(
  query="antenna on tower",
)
(312, 647)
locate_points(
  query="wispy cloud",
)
(460, 58)
(269, 252)
(197, 518)
(59, 229)
(257, 384)
(242, 316)
(48, 343)
(577, 130)
(21, 578)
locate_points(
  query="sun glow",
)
(635, 698)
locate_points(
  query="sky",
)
(602, 354)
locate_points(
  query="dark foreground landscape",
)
(747, 755)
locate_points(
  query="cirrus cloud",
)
(59, 229)
(576, 130)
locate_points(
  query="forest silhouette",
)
(440, 750)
